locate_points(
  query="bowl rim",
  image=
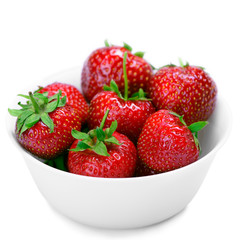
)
(31, 157)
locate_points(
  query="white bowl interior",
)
(88, 199)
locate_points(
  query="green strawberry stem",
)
(96, 139)
(104, 119)
(127, 46)
(140, 95)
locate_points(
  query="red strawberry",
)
(44, 124)
(105, 64)
(143, 170)
(74, 97)
(166, 143)
(186, 90)
(130, 113)
(102, 153)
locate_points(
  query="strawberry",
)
(167, 143)
(143, 170)
(130, 113)
(74, 97)
(105, 64)
(102, 153)
(186, 90)
(44, 124)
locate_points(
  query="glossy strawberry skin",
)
(39, 141)
(74, 97)
(106, 64)
(188, 91)
(130, 115)
(120, 163)
(165, 143)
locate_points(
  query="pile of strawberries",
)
(131, 120)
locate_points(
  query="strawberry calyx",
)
(140, 95)
(180, 63)
(168, 65)
(96, 139)
(194, 128)
(37, 108)
(127, 47)
(187, 64)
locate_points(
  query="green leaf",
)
(51, 106)
(47, 121)
(201, 67)
(126, 46)
(139, 54)
(180, 117)
(101, 149)
(106, 43)
(100, 134)
(80, 135)
(41, 96)
(175, 114)
(168, 65)
(112, 140)
(25, 96)
(181, 62)
(92, 133)
(197, 126)
(39, 88)
(197, 143)
(60, 163)
(153, 68)
(15, 112)
(22, 117)
(107, 88)
(32, 120)
(112, 128)
(182, 121)
(50, 163)
(62, 101)
(81, 146)
(114, 88)
(55, 96)
(140, 95)
(34, 103)
(25, 106)
(23, 129)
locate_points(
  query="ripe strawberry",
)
(186, 90)
(74, 97)
(130, 113)
(166, 143)
(105, 64)
(44, 124)
(102, 153)
(143, 170)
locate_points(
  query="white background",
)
(39, 38)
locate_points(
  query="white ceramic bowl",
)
(125, 202)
